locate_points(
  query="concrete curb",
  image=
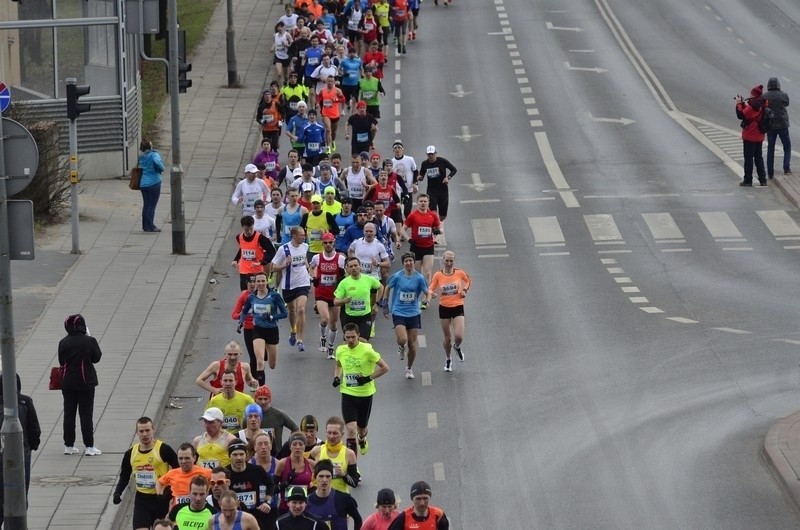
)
(775, 454)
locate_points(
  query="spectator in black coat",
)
(78, 352)
(31, 435)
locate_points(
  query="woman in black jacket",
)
(78, 352)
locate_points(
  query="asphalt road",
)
(632, 329)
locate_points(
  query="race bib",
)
(270, 166)
(313, 146)
(425, 231)
(450, 288)
(248, 498)
(183, 499)
(262, 309)
(362, 137)
(230, 423)
(328, 279)
(208, 464)
(248, 254)
(358, 305)
(315, 235)
(350, 380)
(432, 173)
(288, 229)
(356, 191)
(313, 61)
(328, 103)
(369, 27)
(269, 118)
(302, 53)
(367, 94)
(293, 105)
(146, 479)
(298, 261)
(366, 267)
(407, 297)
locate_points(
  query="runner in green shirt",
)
(357, 293)
(370, 90)
(197, 512)
(357, 367)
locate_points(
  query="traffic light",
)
(74, 109)
(183, 82)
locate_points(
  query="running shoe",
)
(333, 146)
(460, 352)
(409, 373)
(372, 331)
(448, 365)
(69, 450)
(292, 339)
(363, 446)
(330, 354)
(401, 351)
(301, 346)
(322, 346)
(423, 305)
(91, 451)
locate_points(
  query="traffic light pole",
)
(73, 182)
(13, 452)
(176, 170)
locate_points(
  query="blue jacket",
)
(296, 125)
(152, 168)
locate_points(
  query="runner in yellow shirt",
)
(231, 402)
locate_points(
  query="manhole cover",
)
(66, 481)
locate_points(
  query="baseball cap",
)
(252, 408)
(307, 187)
(386, 497)
(297, 493)
(430, 149)
(327, 236)
(420, 488)
(316, 198)
(237, 445)
(361, 105)
(308, 422)
(250, 168)
(297, 172)
(213, 414)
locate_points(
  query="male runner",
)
(231, 402)
(423, 225)
(179, 479)
(344, 469)
(439, 172)
(327, 268)
(194, 513)
(358, 294)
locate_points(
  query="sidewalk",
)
(139, 300)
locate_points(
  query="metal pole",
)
(14, 505)
(73, 179)
(230, 36)
(176, 171)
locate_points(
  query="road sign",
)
(21, 156)
(20, 233)
(5, 97)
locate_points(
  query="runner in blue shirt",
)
(351, 75)
(344, 219)
(313, 138)
(408, 290)
(267, 307)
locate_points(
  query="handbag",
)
(56, 375)
(136, 176)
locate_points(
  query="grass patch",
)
(194, 16)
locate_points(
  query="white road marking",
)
(433, 421)
(397, 109)
(422, 342)
(477, 183)
(791, 247)
(500, 8)
(682, 320)
(438, 471)
(532, 112)
(537, 245)
(555, 171)
(736, 248)
(529, 101)
(396, 79)
(546, 230)
(397, 65)
(615, 270)
(734, 331)
(614, 251)
(584, 69)
(488, 232)
(651, 310)
(529, 199)
(670, 241)
(459, 93)
(554, 253)
(426, 378)
(504, 22)
(519, 71)
(621, 121)
(513, 54)
(676, 250)
(489, 247)
(788, 341)
(396, 93)
(465, 134)
(630, 289)
(492, 255)
(509, 38)
(581, 51)
(516, 62)
(602, 227)
(779, 223)
(397, 127)
(511, 46)
(549, 25)
(525, 90)
(476, 201)
(536, 123)
(622, 279)
(719, 224)
(522, 81)
(608, 261)
(639, 299)
(663, 226)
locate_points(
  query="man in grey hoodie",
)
(778, 101)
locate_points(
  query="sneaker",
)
(292, 339)
(333, 146)
(301, 346)
(363, 446)
(91, 451)
(459, 352)
(322, 346)
(68, 450)
(372, 330)
(423, 305)
(401, 351)
(330, 354)
(409, 373)
(787, 172)
(763, 182)
(448, 365)
(746, 184)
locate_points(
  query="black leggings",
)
(82, 402)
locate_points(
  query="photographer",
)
(750, 112)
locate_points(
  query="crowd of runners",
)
(328, 224)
